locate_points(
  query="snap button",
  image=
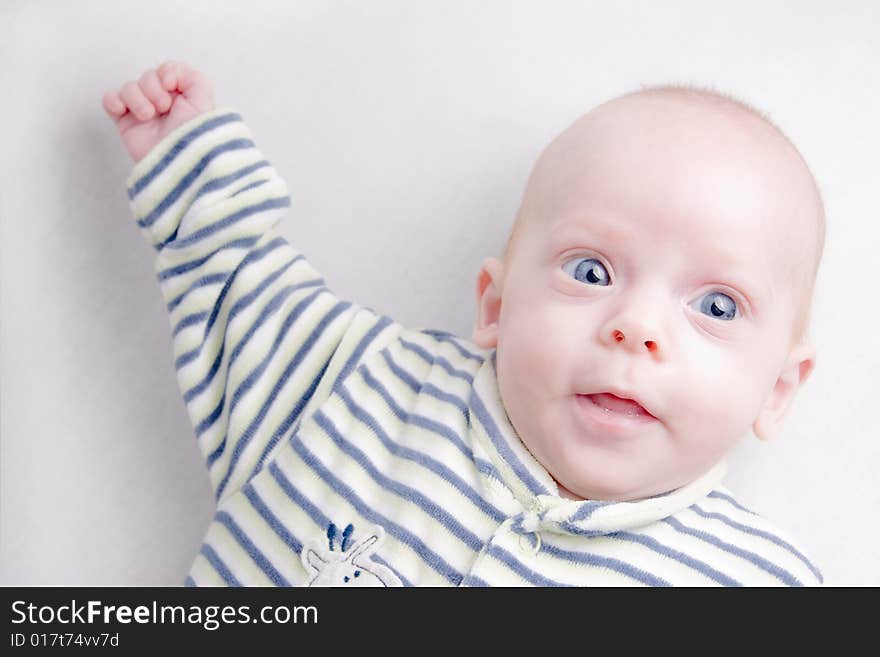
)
(526, 546)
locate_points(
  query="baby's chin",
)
(612, 491)
(567, 494)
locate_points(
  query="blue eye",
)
(357, 573)
(587, 270)
(718, 306)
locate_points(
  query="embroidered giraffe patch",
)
(347, 564)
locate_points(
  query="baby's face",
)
(657, 260)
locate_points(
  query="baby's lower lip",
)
(613, 412)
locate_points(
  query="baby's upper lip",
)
(623, 394)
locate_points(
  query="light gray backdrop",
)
(405, 131)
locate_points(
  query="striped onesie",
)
(347, 450)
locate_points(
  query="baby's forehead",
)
(639, 138)
(679, 165)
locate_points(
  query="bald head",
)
(716, 133)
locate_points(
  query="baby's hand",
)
(163, 99)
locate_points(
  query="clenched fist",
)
(161, 100)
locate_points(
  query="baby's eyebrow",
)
(563, 233)
(755, 294)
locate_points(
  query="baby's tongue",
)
(617, 404)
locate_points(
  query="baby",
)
(650, 308)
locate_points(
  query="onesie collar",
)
(529, 483)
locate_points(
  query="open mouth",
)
(614, 404)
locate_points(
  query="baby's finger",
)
(193, 84)
(152, 88)
(167, 72)
(196, 88)
(136, 101)
(113, 105)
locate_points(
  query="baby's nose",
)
(620, 336)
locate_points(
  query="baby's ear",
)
(800, 363)
(489, 281)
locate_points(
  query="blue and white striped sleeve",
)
(258, 338)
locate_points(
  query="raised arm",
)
(258, 338)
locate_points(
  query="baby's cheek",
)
(528, 354)
(565, 341)
(534, 348)
(720, 401)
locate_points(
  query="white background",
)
(405, 131)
